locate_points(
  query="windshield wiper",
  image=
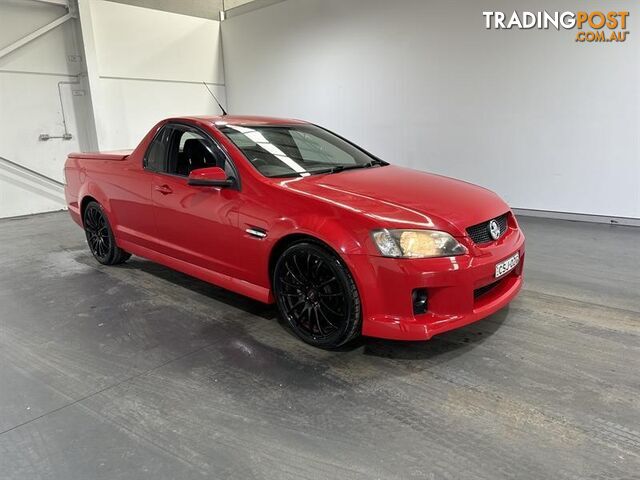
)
(342, 168)
(377, 161)
(334, 169)
(287, 175)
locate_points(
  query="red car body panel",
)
(202, 231)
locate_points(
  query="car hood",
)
(397, 197)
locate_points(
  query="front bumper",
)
(386, 285)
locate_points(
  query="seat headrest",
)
(194, 149)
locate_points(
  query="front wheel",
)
(100, 237)
(317, 296)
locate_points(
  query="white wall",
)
(548, 123)
(193, 8)
(145, 65)
(30, 105)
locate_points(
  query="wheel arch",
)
(83, 205)
(328, 233)
(285, 242)
(292, 238)
(90, 191)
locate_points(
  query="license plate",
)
(508, 265)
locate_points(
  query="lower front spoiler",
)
(423, 327)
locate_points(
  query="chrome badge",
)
(494, 229)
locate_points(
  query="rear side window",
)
(156, 156)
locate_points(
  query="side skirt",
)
(230, 283)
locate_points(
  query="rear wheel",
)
(100, 237)
(317, 296)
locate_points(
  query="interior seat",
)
(195, 155)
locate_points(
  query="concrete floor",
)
(139, 372)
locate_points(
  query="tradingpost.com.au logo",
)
(592, 27)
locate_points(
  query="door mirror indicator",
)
(210, 177)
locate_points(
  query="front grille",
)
(478, 292)
(480, 233)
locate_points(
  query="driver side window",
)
(179, 149)
(190, 150)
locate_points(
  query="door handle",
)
(163, 189)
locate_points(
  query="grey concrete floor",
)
(140, 372)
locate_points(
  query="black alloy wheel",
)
(317, 296)
(100, 237)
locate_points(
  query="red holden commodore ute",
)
(285, 211)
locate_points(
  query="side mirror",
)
(209, 177)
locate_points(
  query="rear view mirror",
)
(209, 177)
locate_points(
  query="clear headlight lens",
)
(417, 243)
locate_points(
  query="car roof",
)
(244, 120)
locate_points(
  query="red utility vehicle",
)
(285, 211)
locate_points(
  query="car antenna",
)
(224, 112)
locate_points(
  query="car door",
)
(130, 194)
(198, 225)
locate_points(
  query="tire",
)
(316, 296)
(100, 237)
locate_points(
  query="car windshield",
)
(296, 150)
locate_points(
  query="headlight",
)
(417, 243)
